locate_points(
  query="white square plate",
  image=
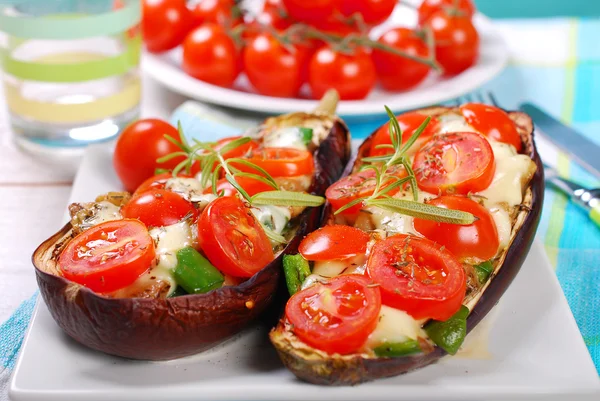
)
(529, 346)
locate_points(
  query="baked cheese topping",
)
(395, 326)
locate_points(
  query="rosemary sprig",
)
(385, 167)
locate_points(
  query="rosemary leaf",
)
(394, 128)
(239, 188)
(273, 236)
(350, 204)
(236, 143)
(179, 167)
(286, 198)
(256, 177)
(393, 186)
(377, 159)
(214, 180)
(384, 146)
(423, 211)
(413, 138)
(253, 166)
(184, 140)
(413, 180)
(170, 156)
(176, 142)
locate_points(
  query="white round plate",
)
(166, 69)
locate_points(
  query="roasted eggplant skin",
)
(163, 329)
(353, 369)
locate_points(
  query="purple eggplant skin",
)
(163, 329)
(319, 368)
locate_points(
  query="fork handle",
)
(595, 214)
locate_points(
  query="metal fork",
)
(478, 97)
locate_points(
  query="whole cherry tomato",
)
(334, 242)
(274, 14)
(158, 208)
(165, 23)
(492, 122)
(138, 147)
(211, 55)
(457, 42)
(311, 10)
(430, 7)
(397, 73)
(222, 12)
(352, 75)
(373, 12)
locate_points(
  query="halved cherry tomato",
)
(493, 123)
(250, 185)
(157, 208)
(373, 12)
(222, 12)
(430, 7)
(356, 186)
(157, 182)
(281, 162)
(108, 256)
(334, 242)
(311, 10)
(478, 240)
(232, 239)
(409, 122)
(240, 151)
(337, 316)
(418, 276)
(456, 163)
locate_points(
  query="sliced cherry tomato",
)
(165, 23)
(334, 242)
(373, 12)
(478, 240)
(418, 276)
(337, 316)
(108, 256)
(430, 7)
(456, 163)
(356, 186)
(138, 147)
(398, 73)
(457, 42)
(157, 182)
(492, 122)
(157, 208)
(281, 162)
(240, 151)
(221, 12)
(265, 57)
(352, 75)
(211, 55)
(232, 239)
(409, 122)
(311, 11)
(250, 185)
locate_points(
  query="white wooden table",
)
(33, 200)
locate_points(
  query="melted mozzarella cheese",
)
(332, 268)
(394, 326)
(103, 211)
(286, 137)
(168, 241)
(503, 225)
(190, 189)
(396, 223)
(452, 122)
(273, 217)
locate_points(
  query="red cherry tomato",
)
(108, 256)
(338, 24)
(240, 151)
(409, 122)
(493, 123)
(357, 185)
(138, 148)
(274, 14)
(430, 7)
(373, 12)
(266, 57)
(157, 208)
(456, 163)
(336, 317)
(457, 42)
(397, 73)
(221, 12)
(157, 182)
(478, 240)
(211, 55)
(418, 276)
(165, 23)
(352, 75)
(311, 10)
(281, 162)
(250, 185)
(334, 242)
(232, 239)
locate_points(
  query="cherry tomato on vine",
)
(430, 7)
(211, 55)
(165, 23)
(478, 240)
(457, 42)
(222, 12)
(157, 208)
(408, 122)
(352, 75)
(334, 242)
(274, 14)
(397, 73)
(274, 68)
(492, 122)
(232, 238)
(138, 147)
(430, 283)
(311, 10)
(373, 12)
(338, 24)
(337, 316)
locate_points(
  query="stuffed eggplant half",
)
(189, 260)
(422, 236)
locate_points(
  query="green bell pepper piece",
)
(395, 350)
(451, 333)
(195, 273)
(484, 270)
(179, 291)
(306, 134)
(296, 269)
